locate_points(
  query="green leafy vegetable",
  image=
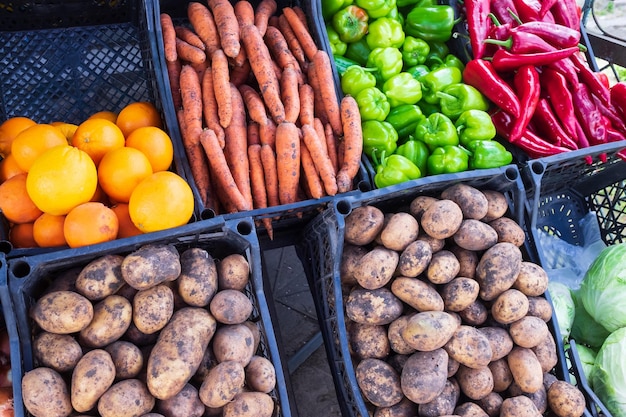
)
(608, 376)
(564, 307)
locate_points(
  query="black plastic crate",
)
(29, 276)
(8, 324)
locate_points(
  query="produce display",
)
(6, 377)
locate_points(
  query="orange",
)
(9, 168)
(9, 129)
(15, 203)
(90, 223)
(161, 201)
(127, 227)
(137, 115)
(33, 141)
(121, 170)
(21, 236)
(97, 137)
(48, 231)
(155, 144)
(67, 129)
(62, 178)
(105, 114)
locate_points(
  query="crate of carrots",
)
(254, 101)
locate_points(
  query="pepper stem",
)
(447, 96)
(505, 44)
(514, 16)
(494, 19)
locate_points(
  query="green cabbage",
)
(585, 329)
(587, 358)
(564, 307)
(608, 377)
(603, 289)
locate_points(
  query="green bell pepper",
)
(330, 7)
(402, 89)
(378, 137)
(437, 80)
(448, 159)
(457, 98)
(414, 51)
(430, 22)
(350, 23)
(418, 70)
(404, 119)
(395, 169)
(449, 60)
(474, 125)
(436, 130)
(337, 46)
(428, 108)
(417, 152)
(377, 8)
(387, 61)
(358, 51)
(356, 79)
(438, 49)
(414, 3)
(385, 32)
(396, 15)
(373, 104)
(488, 154)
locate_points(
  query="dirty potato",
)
(424, 375)
(499, 339)
(508, 230)
(497, 205)
(475, 235)
(399, 231)
(529, 331)
(230, 307)
(93, 376)
(414, 259)
(469, 409)
(442, 219)
(233, 342)
(363, 224)
(526, 369)
(60, 352)
(379, 382)
(368, 340)
(394, 335)
(475, 383)
(498, 269)
(429, 330)
(444, 403)
(261, 374)
(420, 295)
(376, 267)
(419, 204)
(475, 314)
(233, 272)
(379, 306)
(473, 202)
(101, 277)
(127, 358)
(223, 382)
(511, 305)
(249, 404)
(443, 267)
(469, 347)
(350, 258)
(111, 318)
(405, 408)
(565, 400)
(153, 308)
(197, 282)
(129, 397)
(502, 376)
(546, 353)
(540, 307)
(62, 312)
(151, 265)
(45, 393)
(185, 403)
(518, 406)
(468, 260)
(459, 293)
(532, 280)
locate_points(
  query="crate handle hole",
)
(537, 168)
(20, 269)
(5, 246)
(344, 207)
(244, 228)
(511, 174)
(207, 214)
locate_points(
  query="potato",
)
(526, 369)
(379, 306)
(249, 404)
(62, 312)
(153, 308)
(459, 293)
(442, 219)
(394, 335)
(363, 224)
(127, 358)
(208, 362)
(532, 280)
(129, 397)
(565, 400)
(497, 269)
(509, 306)
(443, 403)
(137, 337)
(151, 265)
(230, 307)
(497, 205)
(185, 403)
(475, 314)
(261, 374)
(420, 295)
(475, 235)
(546, 352)
(414, 259)
(443, 267)
(508, 231)
(469, 409)
(419, 204)
(111, 318)
(45, 393)
(519, 406)
(453, 366)
(256, 332)
(93, 376)
(429, 330)
(470, 347)
(529, 331)
(233, 342)
(405, 408)
(222, 383)
(475, 383)
(548, 380)
(233, 272)
(397, 361)
(491, 404)
(60, 352)
(502, 376)
(539, 397)
(400, 230)
(540, 307)
(379, 382)
(376, 268)
(473, 202)
(101, 277)
(368, 340)
(500, 341)
(350, 258)
(435, 244)
(197, 282)
(178, 351)
(424, 375)
(468, 260)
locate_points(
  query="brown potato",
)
(546, 352)
(442, 219)
(129, 397)
(497, 205)
(414, 259)
(469, 409)
(379, 306)
(363, 224)
(153, 308)
(151, 265)
(376, 268)
(500, 341)
(137, 337)
(459, 293)
(419, 204)
(62, 312)
(60, 352)
(502, 376)
(475, 235)
(208, 362)
(429, 330)
(261, 374)
(249, 404)
(526, 369)
(475, 314)
(101, 277)
(394, 335)
(469, 347)
(420, 295)
(399, 231)
(511, 305)
(397, 361)
(233, 342)
(223, 382)
(472, 201)
(497, 269)
(453, 366)
(127, 358)
(532, 280)
(475, 383)
(256, 332)
(444, 403)
(368, 340)
(230, 307)
(529, 331)
(539, 397)
(565, 400)
(379, 382)
(443, 267)
(491, 404)
(233, 272)
(424, 375)
(350, 258)
(185, 403)
(508, 230)
(93, 376)
(405, 408)
(468, 260)
(519, 406)
(111, 318)
(435, 244)
(540, 307)
(45, 393)
(197, 282)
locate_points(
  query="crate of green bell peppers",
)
(399, 60)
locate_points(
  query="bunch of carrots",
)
(260, 118)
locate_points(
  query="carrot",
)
(239, 75)
(267, 133)
(221, 87)
(253, 136)
(302, 33)
(270, 172)
(264, 11)
(292, 40)
(240, 59)
(331, 146)
(300, 13)
(321, 160)
(227, 26)
(257, 183)
(273, 21)
(279, 49)
(173, 74)
(190, 135)
(189, 36)
(313, 181)
(199, 67)
(203, 23)
(353, 143)
(262, 67)
(191, 94)
(319, 110)
(169, 37)
(221, 171)
(254, 104)
(188, 52)
(319, 129)
(289, 94)
(288, 161)
(244, 12)
(307, 104)
(209, 106)
(326, 82)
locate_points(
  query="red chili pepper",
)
(549, 126)
(611, 114)
(504, 10)
(478, 24)
(588, 115)
(526, 82)
(480, 74)
(528, 10)
(504, 60)
(613, 135)
(557, 35)
(588, 77)
(569, 71)
(565, 13)
(546, 5)
(523, 43)
(618, 98)
(604, 79)
(558, 92)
